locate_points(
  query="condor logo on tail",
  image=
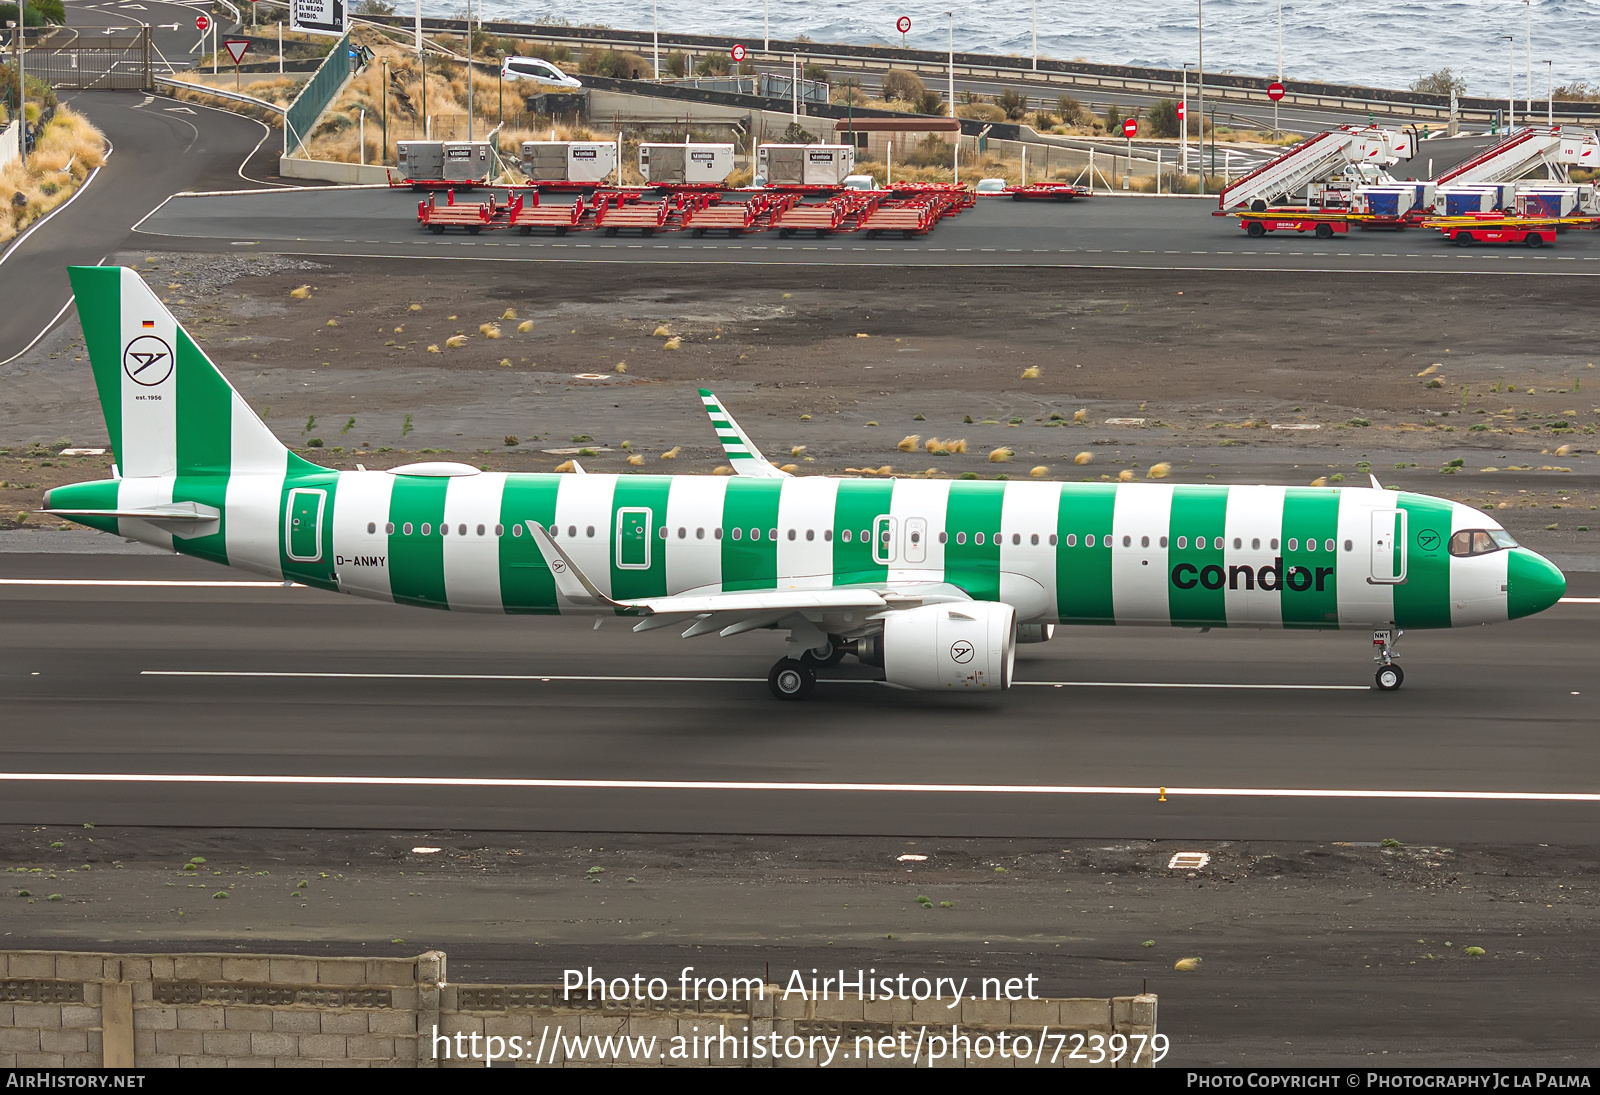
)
(1270, 578)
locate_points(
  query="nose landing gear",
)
(1389, 676)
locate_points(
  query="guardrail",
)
(221, 93)
(1065, 74)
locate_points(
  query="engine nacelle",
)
(1035, 633)
(971, 644)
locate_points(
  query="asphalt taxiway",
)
(230, 704)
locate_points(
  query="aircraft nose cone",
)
(1533, 583)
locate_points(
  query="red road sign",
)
(236, 48)
(903, 24)
(1130, 127)
(1274, 91)
(1183, 110)
(201, 23)
(737, 52)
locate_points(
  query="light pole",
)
(655, 39)
(22, 85)
(1183, 122)
(1527, 6)
(1200, 84)
(1036, 35)
(1550, 94)
(469, 71)
(385, 78)
(766, 26)
(955, 160)
(1511, 82)
(419, 29)
(1275, 128)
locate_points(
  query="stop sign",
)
(737, 52)
(1274, 91)
(201, 23)
(1130, 127)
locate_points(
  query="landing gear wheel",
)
(822, 657)
(791, 680)
(1389, 677)
(1255, 230)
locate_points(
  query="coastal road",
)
(159, 147)
(244, 685)
(1141, 233)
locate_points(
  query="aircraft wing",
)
(743, 455)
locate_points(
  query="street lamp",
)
(1036, 35)
(1527, 6)
(1550, 92)
(469, 71)
(955, 160)
(1275, 128)
(1511, 82)
(655, 40)
(22, 84)
(1200, 84)
(1183, 123)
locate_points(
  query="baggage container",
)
(1389, 202)
(685, 163)
(805, 164)
(467, 161)
(568, 161)
(420, 161)
(1458, 201)
(1546, 201)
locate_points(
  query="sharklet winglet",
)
(743, 456)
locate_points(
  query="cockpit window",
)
(1480, 541)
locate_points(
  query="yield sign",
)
(236, 49)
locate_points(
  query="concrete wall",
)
(88, 1010)
(9, 146)
(294, 167)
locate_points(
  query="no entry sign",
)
(1274, 91)
(1130, 127)
(737, 52)
(1183, 110)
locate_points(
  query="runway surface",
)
(410, 718)
(1126, 233)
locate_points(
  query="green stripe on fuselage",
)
(1197, 597)
(974, 510)
(641, 492)
(1423, 599)
(101, 495)
(1310, 517)
(318, 573)
(98, 290)
(416, 562)
(750, 563)
(526, 586)
(1083, 573)
(858, 503)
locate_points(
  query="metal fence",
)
(329, 79)
(109, 62)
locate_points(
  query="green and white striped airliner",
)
(933, 580)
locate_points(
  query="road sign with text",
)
(1275, 91)
(201, 23)
(1130, 128)
(737, 52)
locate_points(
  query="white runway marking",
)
(763, 785)
(1580, 600)
(545, 677)
(138, 582)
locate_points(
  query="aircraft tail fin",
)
(168, 410)
(743, 456)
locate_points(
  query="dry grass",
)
(525, 326)
(909, 443)
(68, 149)
(1083, 458)
(1001, 456)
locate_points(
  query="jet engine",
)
(969, 644)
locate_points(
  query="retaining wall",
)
(91, 1010)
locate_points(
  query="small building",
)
(876, 137)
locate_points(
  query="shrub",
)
(899, 84)
(677, 63)
(930, 103)
(814, 71)
(713, 64)
(1443, 82)
(1163, 118)
(1014, 103)
(931, 151)
(983, 112)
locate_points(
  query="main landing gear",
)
(794, 678)
(1389, 676)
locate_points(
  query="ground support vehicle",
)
(1352, 154)
(525, 216)
(615, 211)
(1325, 225)
(737, 217)
(1498, 228)
(473, 216)
(908, 216)
(1047, 192)
(840, 213)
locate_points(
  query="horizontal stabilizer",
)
(176, 511)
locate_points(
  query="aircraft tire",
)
(791, 680)
(1389, 678)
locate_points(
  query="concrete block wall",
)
(88, 1010)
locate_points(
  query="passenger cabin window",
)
(372, 527)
